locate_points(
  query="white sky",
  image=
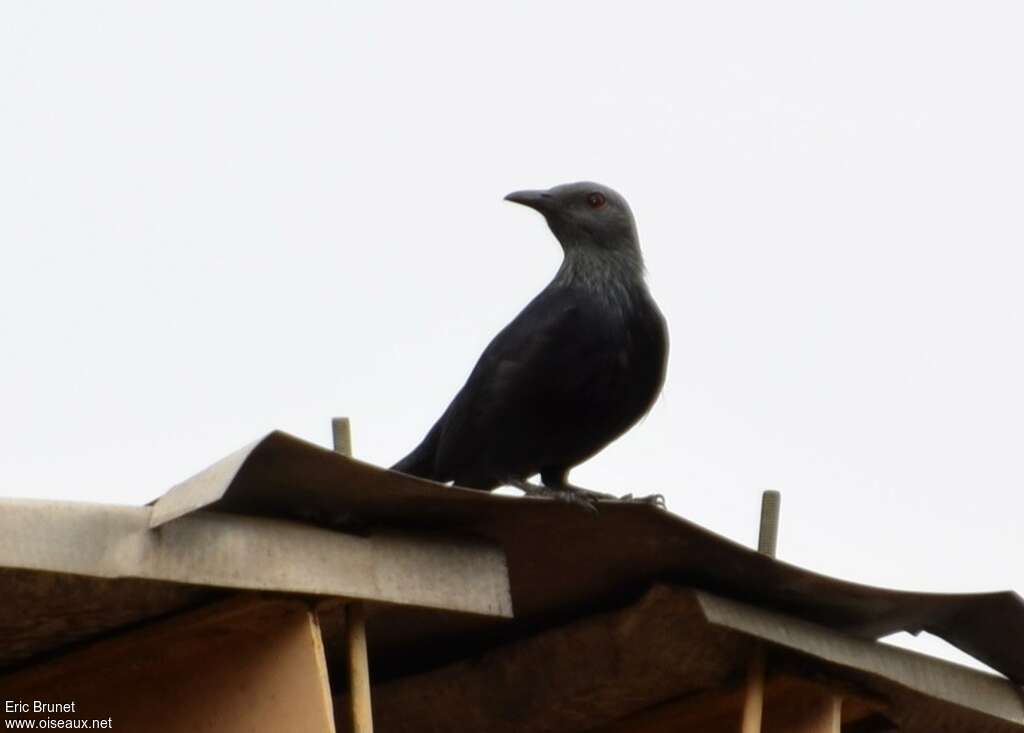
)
(223, 218)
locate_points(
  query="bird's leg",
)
(584, 499)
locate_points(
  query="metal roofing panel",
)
(935, 678)
(562, 560)
(254, 553)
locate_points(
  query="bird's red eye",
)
(595, 200)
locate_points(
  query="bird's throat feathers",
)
(617, 276)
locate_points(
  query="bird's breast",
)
(630, 352)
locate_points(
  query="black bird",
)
(580, 365)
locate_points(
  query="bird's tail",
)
(422, 460)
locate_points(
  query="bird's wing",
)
(534, 371)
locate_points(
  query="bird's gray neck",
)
(617, 275)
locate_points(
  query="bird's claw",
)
(586, 500)
(657, 500)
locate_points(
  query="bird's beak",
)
(542, 201)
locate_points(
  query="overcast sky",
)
(219, 219)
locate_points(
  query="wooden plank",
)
(244, 665)
(358, 669)
(251, 553)
(44, 612)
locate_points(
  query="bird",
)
(582, 363)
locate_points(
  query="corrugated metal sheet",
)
(935, 678)
(564, 562)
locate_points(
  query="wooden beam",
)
(243, 665)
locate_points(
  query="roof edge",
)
(936, 678)
(202, 489)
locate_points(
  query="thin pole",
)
(341, 430)
(358, 668)
(355, 621)
(768, 536)
(753, 697)
(767, 542)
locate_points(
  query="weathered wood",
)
(786, 704)
(592, 672)
(816, 711)
(323, 685)
(244, 665)
(41, 613)
(707, 712)
(358, 669)
(232, 551)
(672, 662)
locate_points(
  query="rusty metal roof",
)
(563, 562)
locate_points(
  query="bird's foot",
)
(595, 495)
(652, 499)
(582, 498)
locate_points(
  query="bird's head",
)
(584, 215)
